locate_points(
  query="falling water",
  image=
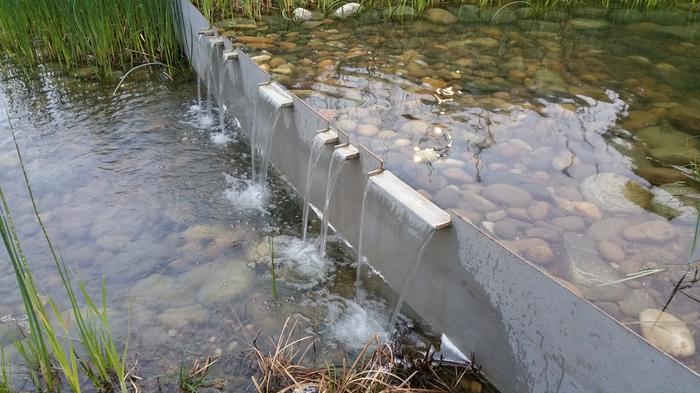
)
(209, 77)
(427, 236)
(336, 164)
(358, 271)
(261, 144)
(222, 73)
(314, 156)
(198, 71)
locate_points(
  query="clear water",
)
(566, 141)
(133, 188)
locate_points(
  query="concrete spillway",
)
(529, 332)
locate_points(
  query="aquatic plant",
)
(99, 33)
(44, 350)
(192, 379)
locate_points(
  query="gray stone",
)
(440, 16)
(570, 223)
(635, 301)
(498, 16)
(468, 13)
(607, 229)
(301, 14)
(477, 202)
(653, 232)
(586, 270)
(508, 195)
(589, 24)
(505, 229)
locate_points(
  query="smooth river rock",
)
(588, 271)
(440, 16)
(667, 332)
(507, 195)
(654, 232)
(607, 190)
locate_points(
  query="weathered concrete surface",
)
(530, 333)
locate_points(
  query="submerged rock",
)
(401, 13)
(686, 118)
(608, 190)
(586, 270)
(667, 332)
(507, 195)
(654, 232)
(468, 13)
(588, 24)
(440, 16)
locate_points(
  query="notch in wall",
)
(276, 95)
(420, 206)
(207, 32)
(216, 41)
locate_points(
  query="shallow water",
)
(139, 190)
(570, 141)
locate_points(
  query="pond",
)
(572, 139)
(140, 190)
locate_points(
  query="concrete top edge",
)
(417, 203)
(277, 95)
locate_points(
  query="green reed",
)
(47, 354)
(105, 34)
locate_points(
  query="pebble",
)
(667, 332)
(635, 301)
(507, 195)
(538, 211)
(589, 210)
(654, 232)
(458, 175)
(570, 223)
(611, 251)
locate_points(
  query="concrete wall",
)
(530, 333)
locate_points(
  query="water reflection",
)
(135, 188)
(570, 141)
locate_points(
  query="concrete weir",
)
(530, 333)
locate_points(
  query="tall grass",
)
(48, 355)
(106, 34)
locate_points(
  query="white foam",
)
(355, 324)
(310, 268)
(244, 194)
(220, 138)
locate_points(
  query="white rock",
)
(301, 15)
(347, 10)
(667, 332)
(607, 190)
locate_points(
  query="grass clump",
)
(378, 367)
(105, 34)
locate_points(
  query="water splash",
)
(303, 266)
(314, 156)
(334, 167)
(427, 236)
(354, 323)
(220, 138)
(244, 194)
